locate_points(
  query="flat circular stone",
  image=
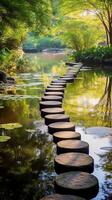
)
(61, 197)
(59, 81)
(56, 118)
(54, 93)
(68, 79)
(61, 126)
(59, 84)
(55, 86)
(52, 98)
(50, 104)
(73, 162)
(55, 89)
(72, 74)
(49, 111)
(77, 183)
(66, 146)
(66, 135)
(67, 76)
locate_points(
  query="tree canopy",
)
(20, 16)
(102, 9)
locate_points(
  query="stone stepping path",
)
(73, 162)
(66, 146)
(49, 111)
(55, 89)
(50, 104)
(56, 118)
(77, 183)
(61, 126)
(66, 135)
(52, 98)
(54, 93)
(62, 197)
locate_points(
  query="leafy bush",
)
(94, 55)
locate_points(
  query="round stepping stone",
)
(58, 81)
(56, 118)
(67, 76)
(77, 183)
(52, 98)
(55, 89)
(55, 86)
(61, 126)
(62, 197)
(54, 94)
(49, 111)
(72, 74)
(68, 79)
(50, 104)
(66, 146)
(59, 84)
(66, 135)
(73, 162)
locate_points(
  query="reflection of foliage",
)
(107, 166)
(25, 161)
(105, 103)
(83, 96)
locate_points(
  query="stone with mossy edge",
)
(66, 135)
(66, 146)
(62, 197)
(77, 183)
(73, 162)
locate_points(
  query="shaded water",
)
(26, 160)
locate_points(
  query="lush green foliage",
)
(102, 9)
(42, 42)
(17, 17)
(80, 34)
(94, 55)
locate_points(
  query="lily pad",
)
(10, 126)
(4, 138)
(99, 131)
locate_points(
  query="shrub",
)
(95, 55)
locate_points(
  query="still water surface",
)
(26, 160)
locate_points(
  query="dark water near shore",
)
(26, 160)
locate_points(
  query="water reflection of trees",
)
(105, 103)
(25, 161)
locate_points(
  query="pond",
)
(26, 159)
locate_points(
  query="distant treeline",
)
(34, 43)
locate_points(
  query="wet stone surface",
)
(73, 162)
(65, 135)
(72, 146)
(61, 126)
(77, 183)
